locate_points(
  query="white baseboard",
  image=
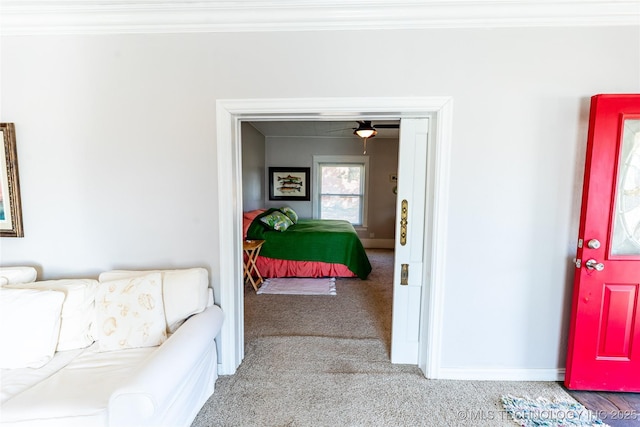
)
(378, 243)
(499, 374)
(220, 370)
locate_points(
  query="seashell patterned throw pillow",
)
(130, 313)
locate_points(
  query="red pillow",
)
(247, 219)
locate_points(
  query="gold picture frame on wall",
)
(10, 206)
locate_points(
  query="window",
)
(341, 184)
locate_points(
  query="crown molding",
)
(39, 17)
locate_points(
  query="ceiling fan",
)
(366, 130)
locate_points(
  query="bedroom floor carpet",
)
(318, 361)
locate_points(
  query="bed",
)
(305, 247)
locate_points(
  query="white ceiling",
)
(322, 129)
(32, 17)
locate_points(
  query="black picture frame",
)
(289, 183)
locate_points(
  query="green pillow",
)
(277, 221)
(293, 216)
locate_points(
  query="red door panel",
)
(617, 322)
(604, 335)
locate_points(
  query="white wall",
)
(253, 170)
(382, 204)
(117, 153)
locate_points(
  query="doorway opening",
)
(230, 115)
(363, 191)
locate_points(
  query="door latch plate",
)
(404, 274)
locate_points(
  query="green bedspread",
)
(323, 240)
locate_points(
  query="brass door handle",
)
(403, 222)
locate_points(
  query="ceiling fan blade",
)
(387, 126)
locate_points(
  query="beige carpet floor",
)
(324, 361)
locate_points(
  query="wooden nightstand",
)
(252, 249)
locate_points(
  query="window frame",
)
(318, 161)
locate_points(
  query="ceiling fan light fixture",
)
(365, 130)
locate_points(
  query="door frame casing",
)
(230, 113)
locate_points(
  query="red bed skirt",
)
(270, 267)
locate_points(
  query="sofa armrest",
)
(143, 400)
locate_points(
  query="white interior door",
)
(408, 283)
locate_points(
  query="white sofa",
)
(130, 349)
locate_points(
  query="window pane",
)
(341, 180)
(626, 221)
(341, 207)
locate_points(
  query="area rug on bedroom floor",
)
(299, 286)
(543, 412)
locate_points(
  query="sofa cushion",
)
(130, 313)
(29, 327)
(78, 309)
(18, 274)
(78, 394)
(17, 380)
(185, 292)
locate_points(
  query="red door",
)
(604, 335)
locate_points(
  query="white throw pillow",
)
(185, 291)
(78, 309)
(130, 313)
(29, 327)
(18, 274)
